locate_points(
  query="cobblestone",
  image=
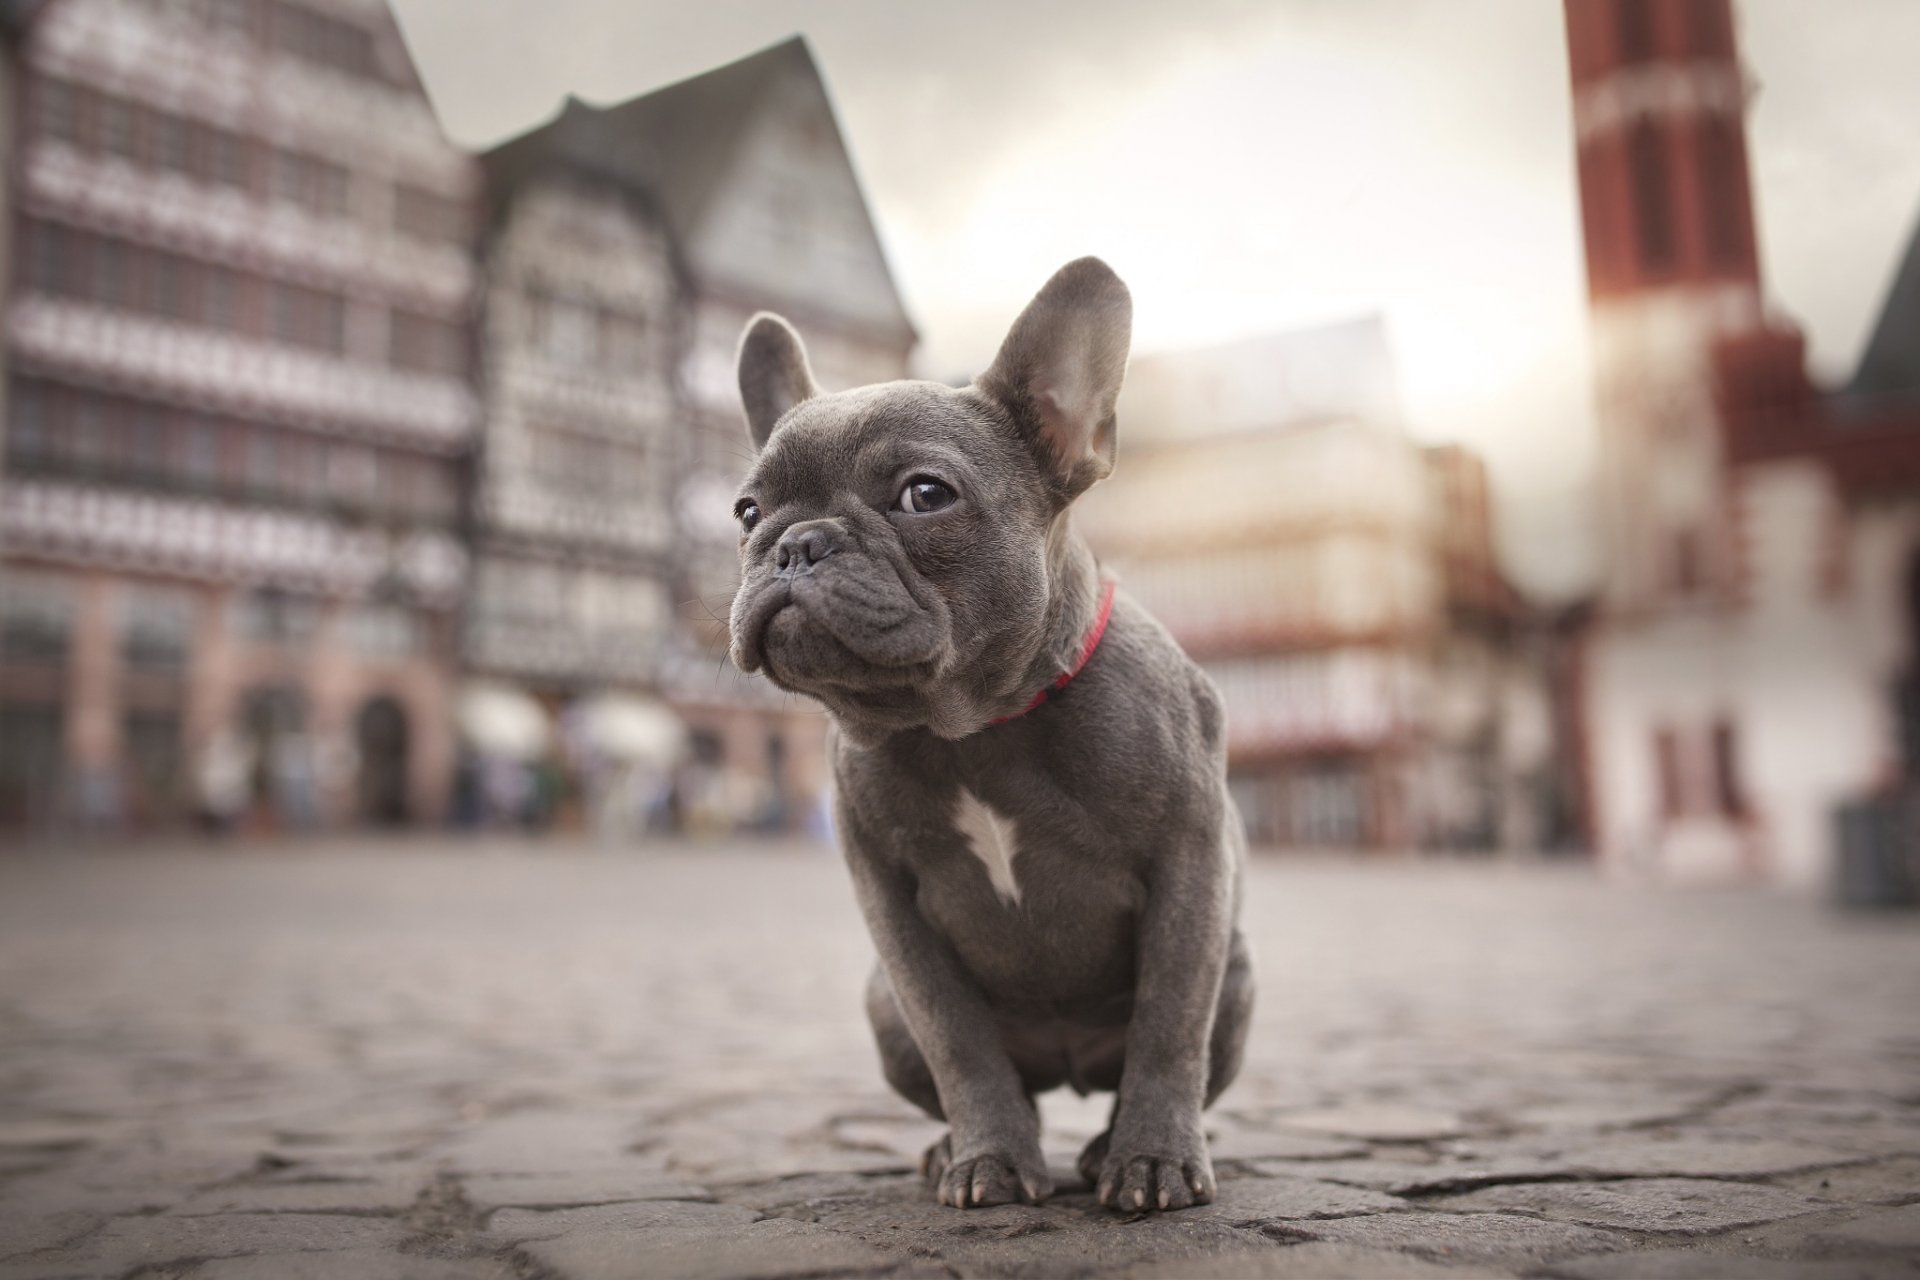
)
(429, 1060)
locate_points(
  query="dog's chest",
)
(993, 839)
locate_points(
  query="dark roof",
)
(1891, 365)
(16, 14)
(673, 145)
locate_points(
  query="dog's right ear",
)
(773, 372)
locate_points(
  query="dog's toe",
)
(1093, 1157)
(935, 1159)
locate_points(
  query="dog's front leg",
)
(1157, 1157)
(995, 1141)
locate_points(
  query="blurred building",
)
(1338, 582)
(1751, 660)
(631, 244)
(571, 601)
(237, 409)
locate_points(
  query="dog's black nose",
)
(805, 545)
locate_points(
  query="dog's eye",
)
(748, 514)
(923, 495)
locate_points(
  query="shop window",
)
(32, 737)
(1670, 779)
(156, 629)
(385, 631)
(267, 616)
(36, 621)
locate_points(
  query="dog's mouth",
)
(857, 628)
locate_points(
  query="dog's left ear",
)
(1060, 368)
(773, 374)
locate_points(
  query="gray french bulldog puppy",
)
(1030, 774)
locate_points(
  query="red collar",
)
(1087, 646)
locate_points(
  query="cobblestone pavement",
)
(433, 1060)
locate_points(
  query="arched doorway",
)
(380, 732)
(278, 757)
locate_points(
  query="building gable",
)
(786, 223)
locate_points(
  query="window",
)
(89, 430)
(308, 318)
(36, 621)
(318, 185)
(424, 344)
(156, 628)
(1726, 770)
(27, 434)
(201, 454)
(60, 111)
(385, 631)
(1636, 30)
(1652, 196)
(225, 156)
(427, 215)
(117, 129)
(623, 340)
(109, 272)
(232, 15)
(268, 616)
(220, 298)
(1708, 35)
(1672, 792)
(173, 144)
(263, 460)
(351, 472)
(319, 38)
(1724, 192)
(572, 331)
(148, 429)
(1689, 568)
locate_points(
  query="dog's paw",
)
(973, 1182)
(1134, 1180)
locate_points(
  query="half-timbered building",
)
(238, 409)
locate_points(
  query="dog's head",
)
(896, 539)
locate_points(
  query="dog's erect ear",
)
(1060, 368)
(774, 375)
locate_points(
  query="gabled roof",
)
(1890, 368)
(675, 144)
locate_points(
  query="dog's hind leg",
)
(900, 1058)
(1227, 1043)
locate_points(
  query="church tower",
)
(1672, 276)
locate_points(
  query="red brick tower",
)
(1672, 274)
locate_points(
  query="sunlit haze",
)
(1249, 168)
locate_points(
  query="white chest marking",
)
(991, 837)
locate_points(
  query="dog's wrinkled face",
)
(895, 539)
(891, 535)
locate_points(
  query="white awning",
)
(502, 720)
(638, 730)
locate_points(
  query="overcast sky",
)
(1251, 166)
